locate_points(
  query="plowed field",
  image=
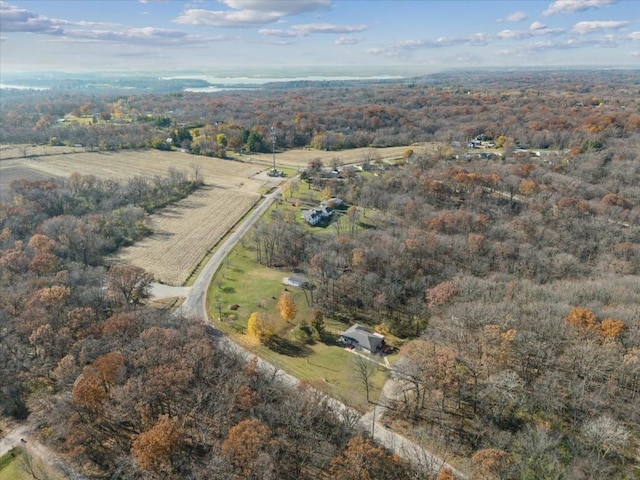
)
(186, 231)
(182, 233)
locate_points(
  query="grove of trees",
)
(126, 391)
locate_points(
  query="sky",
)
(204, 35)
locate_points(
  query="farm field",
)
(302, 157)
(15, 172)
(129, 163)
(182, 233)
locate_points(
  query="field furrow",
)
(184, 236)
(183, 233)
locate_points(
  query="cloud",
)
(514, 34)
(634, 54)
(536, 29)
(574, 6)
(311, 28)
(537, 26)
(515, 17)
(346, 40)
(404, 47)
(583, 28)
(245, 13)
(606, 41)
(634, 36)
(541, 46)
(140, 36)
(14, 19)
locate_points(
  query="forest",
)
(574, 106)
(511, 278)
(129, 391)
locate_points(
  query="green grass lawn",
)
(14, 467)
(10, 466)
(249, 287)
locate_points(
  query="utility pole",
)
(273, 147)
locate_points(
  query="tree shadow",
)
(286, 347)
(366, 226)
(226, 289)
(331, 339)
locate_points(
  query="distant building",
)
(321, 215)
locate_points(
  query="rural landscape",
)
(471, 287)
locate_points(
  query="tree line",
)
(575, 107)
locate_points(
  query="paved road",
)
(195, 306)
(196, 303)
(21, 437)
(12, 439)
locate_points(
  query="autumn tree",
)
(581, 319)
(128, 284)
(154, 448)
(89, 391)
(318, 321)
(258, 327)
(491, 464)
(287, 306)
(246, 447)
(363, 460)
(109, 368)
(611, 329)
(446, 474)
(441, 293)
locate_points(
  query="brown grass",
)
(185, 232)
(302, 157)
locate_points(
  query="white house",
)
(314, 216)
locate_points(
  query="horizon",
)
(158, 35)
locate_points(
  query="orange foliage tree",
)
(246, 444)
(363, 460)
(446, 474)
(88, 391)
(491, 464)
(611, 329)
(581, 319)
(153, 449)
(441, 293)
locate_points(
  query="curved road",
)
(195, 305)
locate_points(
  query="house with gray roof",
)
(359, 337)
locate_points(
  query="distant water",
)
(219, 84)
(21, 87)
